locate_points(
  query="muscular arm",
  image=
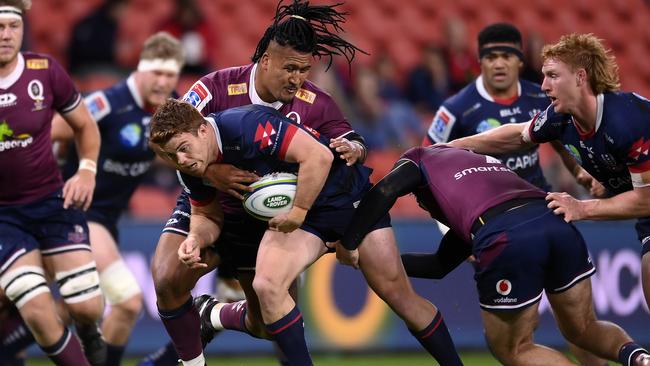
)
(500, 140)
(86, 133)
(61, 130)
(627, 205)
(314, 160)
(451, 252)
(403, 179)
(206, 223)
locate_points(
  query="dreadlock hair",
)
(305, 29)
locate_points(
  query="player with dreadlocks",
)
(276, 78)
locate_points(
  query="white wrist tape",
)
(88, 164)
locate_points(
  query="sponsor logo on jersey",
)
(539, 121)
(487, 124)
(574, 152)
(480, 169)
(504, 287)
(10, 141)
(441, 125)
(237, 89)
(98, 105)
(126, 169)
(7, 100)
(38, 64)
(198, 96)
(306, 95)
(264, 135)
(524, 161)
(130, 135)
(510, 112)
(639, 148)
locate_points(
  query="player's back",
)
(461, 185)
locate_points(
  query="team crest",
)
(78, 236)
(198, 96)
(504, 287)
(35, 91)
(38, 64)
(264, 135)
(237, 89)
(306, 95)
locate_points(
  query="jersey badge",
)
(487, 124)
(264, 135)
(638, 148)
(198, 96)
(441, 126)
(98, 105)
(38, 64)
(306, 95)
(237, 89)
(35, 91)
(130, 135)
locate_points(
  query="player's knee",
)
(130, 308)
(80, 290)
(120, 286)
(23, 284)
(265, 288)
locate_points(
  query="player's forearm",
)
(627, 205)
(88, 141)
(499, 140)
(204, 229)
(312, 175)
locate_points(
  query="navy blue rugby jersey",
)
(616, 151)
(256, 138)
(472, 110)
(124, 156)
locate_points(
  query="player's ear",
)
(581, 77)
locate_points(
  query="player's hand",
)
(564, 204)
(230, 179)
(590, 183)
(350, 151)
(347, 257)
(78, 190)
(288, 222)
(189, 252)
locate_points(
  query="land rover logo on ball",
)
(277, 201)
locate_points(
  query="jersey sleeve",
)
(442, 126)
(333, 123)
(546, 126)
(638, 161)
(98, 105)
(66, 96)
(200, 95)
(199, 193)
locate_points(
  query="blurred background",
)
(420, 52)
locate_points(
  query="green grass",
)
(469, 358)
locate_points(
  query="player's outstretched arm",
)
(78, 190)
(506, 138)
(314, 160)
(627, 205)
(451, 253)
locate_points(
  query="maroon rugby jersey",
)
(461, 185)
(235, 86)
(28, 98)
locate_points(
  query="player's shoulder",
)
(311, 93)
(628, 112)
(38, 61)
(233, 79)
(465, 97)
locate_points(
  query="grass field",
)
(469, 358)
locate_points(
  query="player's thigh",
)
(103, 246)
(573, 308)
(282, 257)
(505, 330)
(379, 257)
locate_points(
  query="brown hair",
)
(23, 5)
(162, 45)
(587, 51)
(173, 118)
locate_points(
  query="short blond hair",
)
(164, 46)
(588, 52)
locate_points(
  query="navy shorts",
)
(642, 227)
(106, 218)
(43, 225)
(522, 252)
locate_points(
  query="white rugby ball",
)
(273, 194)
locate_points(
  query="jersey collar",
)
(600, 103)
(10, 79)
(484, 93)
(217, 136)
(255, 98)
(130, 83)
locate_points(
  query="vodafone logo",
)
(504, 287)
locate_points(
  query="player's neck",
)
(261, 91)
(505, 96)
(585, 113)
(9, 67)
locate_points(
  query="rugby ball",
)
(272, 195)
